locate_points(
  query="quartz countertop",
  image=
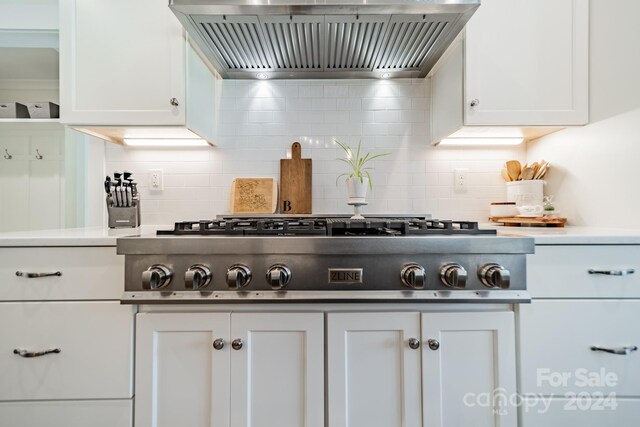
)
(571, 235)
(101, 236)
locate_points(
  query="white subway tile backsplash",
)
(259, 120)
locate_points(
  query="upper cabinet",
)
(126, 66)
(520, 64)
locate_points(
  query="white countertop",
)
(100, 236)
(573, 235)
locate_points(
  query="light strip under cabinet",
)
(481, 141)
(186, 142)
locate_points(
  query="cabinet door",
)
(373, 374)
(181, 379)
(468, 369)
(121, 62)
(278, 373)
(527, 63)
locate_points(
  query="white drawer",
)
(556, 338)
(563, 272)
(87, 273)
(94, 413)
(585, 413)
(95, 361)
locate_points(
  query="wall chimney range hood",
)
(310, 39)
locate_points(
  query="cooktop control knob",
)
(494, 276)
(238, 276)
(278, 276)
(413, 276)
(197, 276)
(453, 275)
(157, 276)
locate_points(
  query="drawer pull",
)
(26, 353)
(613, 272)
(36, 275)
(622, 351)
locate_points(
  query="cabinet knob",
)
(174, 102)
(237, 344)
(433, 344)
(218, 344)
(414, 343)
(474, 102)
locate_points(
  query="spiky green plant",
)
(357, 163)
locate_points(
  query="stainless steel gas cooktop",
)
(325, 259)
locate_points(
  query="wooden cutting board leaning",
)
(254, 196)
(295, 183)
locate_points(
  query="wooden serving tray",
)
(514, 221)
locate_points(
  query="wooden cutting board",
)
(254, 196)
(295, 183)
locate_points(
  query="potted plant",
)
(358, 177)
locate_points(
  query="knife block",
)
(123, 217)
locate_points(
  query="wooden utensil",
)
(505, 175)
(544, 166)
(527, 173)
(295, 183)
(254, 196)
(513, 169)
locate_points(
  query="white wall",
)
(594, 174)
(260, 119)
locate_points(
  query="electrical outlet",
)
(460, 180)
(155, 180)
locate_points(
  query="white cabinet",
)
(269, 370)
(125, 64)
(373, 375)
(412, 369)
(519, 63)
(571, 312)
(67, 356)
(468, 360)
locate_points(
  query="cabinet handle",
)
(613, 272)
(26, 353)
(474, 102)
(433, 344)
(622, 350)
(38, 155)
(414, 343)
(7, 156)
(174, 102)
(36, 275)
(218, 344)
(236, 344)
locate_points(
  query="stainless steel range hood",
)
(303, 39)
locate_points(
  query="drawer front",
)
(87, 273)
(563, 272)
(555, 346)
(583, 412)
(94, 413)
(95, 358)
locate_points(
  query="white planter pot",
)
(357, 190)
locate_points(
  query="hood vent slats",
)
(335, 39)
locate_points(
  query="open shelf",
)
(29, 120)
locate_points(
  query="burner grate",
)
(307, 226)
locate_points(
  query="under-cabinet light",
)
(186, 142)
(481, 141)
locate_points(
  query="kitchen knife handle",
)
(613, 272)
(36, 275)
(623, 351)
(26, 353)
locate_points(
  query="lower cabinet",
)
(400, 369)
(221, 369)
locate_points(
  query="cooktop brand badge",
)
(345, 275)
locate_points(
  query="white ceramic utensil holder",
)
(526, 193)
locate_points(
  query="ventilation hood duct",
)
(310, 39)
